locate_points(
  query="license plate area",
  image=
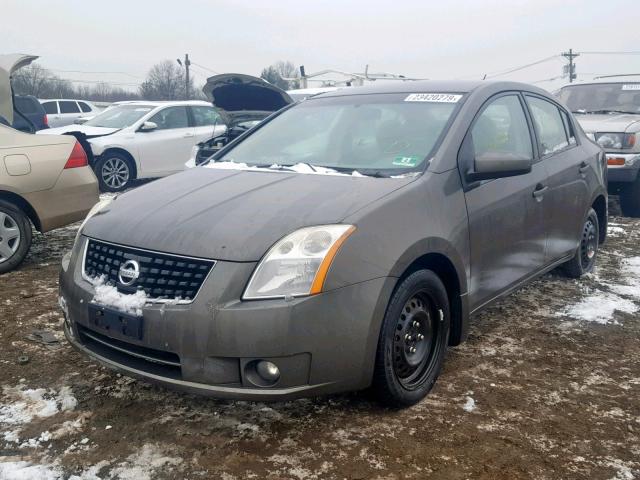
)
(115, 322)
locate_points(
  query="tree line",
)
(164, 81)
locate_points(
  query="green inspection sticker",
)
(410, 161)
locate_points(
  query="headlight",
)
(94, 210)
(297, 265)
(616, 141)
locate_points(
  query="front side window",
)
(69, 107)
(549, 125)
(502, 128)
(120, 117)
(205, 116)
(383, 134)
(51, 108)
(172, 117)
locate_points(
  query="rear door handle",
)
(538, 193)
(189, 135)
(584, 167)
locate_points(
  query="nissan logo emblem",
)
(129, 272)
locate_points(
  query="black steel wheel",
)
(413, 340)
(584, 259)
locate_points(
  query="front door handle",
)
(538, 193)
(584, 166)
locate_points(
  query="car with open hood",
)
(142, 139)
(243, 101)
(341, 243)
(609, 112)
(44, 181)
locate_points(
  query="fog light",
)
(268, 371)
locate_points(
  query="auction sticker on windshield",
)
(410, 161)
(433, 97)
(632, 86)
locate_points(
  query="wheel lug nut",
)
(416, 324)
(420, 336)
(412, 349)
(407, 336)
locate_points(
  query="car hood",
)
(89, 131)
(618, 122)
(231, 215)
(8, 65)
(240, 98)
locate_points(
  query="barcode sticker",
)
(631, 86)
(433, 97)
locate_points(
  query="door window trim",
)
(569, 146)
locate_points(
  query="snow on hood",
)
(610, 122)
(8, 65)
(240, 97)
(87, 130)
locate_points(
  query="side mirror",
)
(499, 165)
(148, 126)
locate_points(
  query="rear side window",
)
(84, 107)
(502, 127)
(50, 107)
(69, 107)
(549, 125)
(204, 116)
(26, 105)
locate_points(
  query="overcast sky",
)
(448, 39)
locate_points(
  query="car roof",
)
(621, 79)
(432, 86)
(157, 103)
(63, 100)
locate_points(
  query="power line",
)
(522, 67)
(204, 68)
(612, 53)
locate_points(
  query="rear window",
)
(50, 107)
(84, 107)
(69, 107)
(26, 105)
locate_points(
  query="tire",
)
(407, 366)
(115, 172)
(585, 257)
(15, 236)
(630, 199)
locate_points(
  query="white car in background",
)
(65, 111)
(143, 139)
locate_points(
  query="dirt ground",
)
(547, 387)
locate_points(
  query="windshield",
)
(121, 116)
(602, 98)
(385, 134)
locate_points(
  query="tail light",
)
(78, 157)
(45, 120)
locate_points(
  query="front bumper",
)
(628, 172)
(322, 344)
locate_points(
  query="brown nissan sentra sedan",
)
(340, 244)
(44, 181)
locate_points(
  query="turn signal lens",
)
(78, 157)
(615, 161)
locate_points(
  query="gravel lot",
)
(547, 387)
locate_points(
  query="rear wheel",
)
(630, 199)
(585, 257)
(15, 236)
(413, 340)
(114, 172)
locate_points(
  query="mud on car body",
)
(342, 243)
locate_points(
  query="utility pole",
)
(186, 64)
(572, 66)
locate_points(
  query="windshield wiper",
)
(607, 110)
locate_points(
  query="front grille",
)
(148, 360)
(162, 276)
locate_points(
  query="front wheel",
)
(413, 340)
(584, 259)
(114, 172)
(15, 236)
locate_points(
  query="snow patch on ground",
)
(21, 405)
(615, 231)
(470, 405)
(143, 464)
(108, 295)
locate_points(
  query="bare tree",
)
(278, 73)
(165, 81)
